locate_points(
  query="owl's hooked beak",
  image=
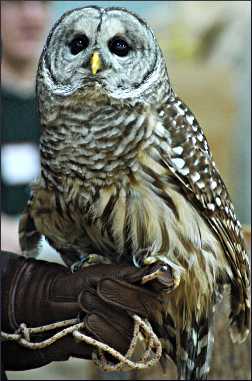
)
(95, 63)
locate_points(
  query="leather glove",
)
(103, 296)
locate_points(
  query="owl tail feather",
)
(195, 349)
(240, 314)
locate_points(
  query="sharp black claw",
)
(76, 266)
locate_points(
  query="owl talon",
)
(89, 260)
(76, 266)
(154, 275)
(166, 277)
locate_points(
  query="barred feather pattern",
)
(140, 209)
(128, 175)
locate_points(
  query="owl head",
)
(110, 50)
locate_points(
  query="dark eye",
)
(119, 46)
(78, 44)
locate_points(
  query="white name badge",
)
(20, 163)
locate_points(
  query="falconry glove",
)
(37, 293)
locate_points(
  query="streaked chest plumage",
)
(111, 195)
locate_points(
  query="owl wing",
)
(29, 237)
(192, 165)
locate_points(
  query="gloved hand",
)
(103, 296)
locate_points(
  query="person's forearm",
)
(26, 290)
(15, 356)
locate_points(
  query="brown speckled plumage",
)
(127, 174)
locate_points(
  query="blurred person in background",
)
(24, 28)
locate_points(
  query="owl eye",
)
(78, 44)
(119, 46)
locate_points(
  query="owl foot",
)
(154, 275)
(164, 276)
(89, 260)
(76, 266)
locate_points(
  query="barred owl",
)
(127, 174)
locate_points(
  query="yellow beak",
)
(95, 63)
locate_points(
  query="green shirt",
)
(20, 133)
